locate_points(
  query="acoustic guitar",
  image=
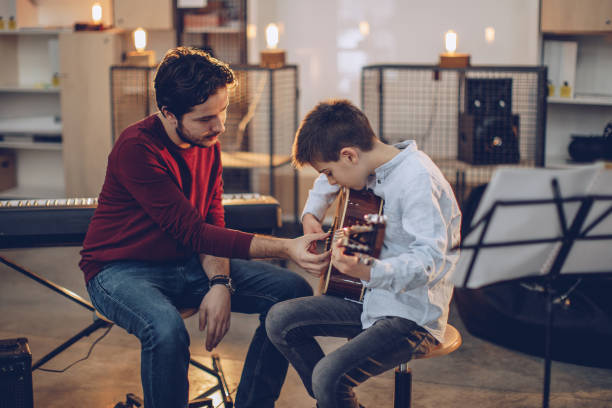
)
(359, 219)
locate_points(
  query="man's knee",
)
(295, 286)
(166, 333)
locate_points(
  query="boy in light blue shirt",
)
(408, 289)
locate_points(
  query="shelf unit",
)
(589, 24)
(591, 108)
(219, 28)
(588, 100)
(30, 60)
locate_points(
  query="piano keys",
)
(64, 221)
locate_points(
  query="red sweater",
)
(159, 203)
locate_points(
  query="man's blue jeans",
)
(293, 325)
(144, 298)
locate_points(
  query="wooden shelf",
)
(251, 160)
(590, 100)
(214, 30)
(41, 125)
(35, 31)
(30, 145)
(28, 89)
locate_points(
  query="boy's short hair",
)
(328, 128)
(187, 77)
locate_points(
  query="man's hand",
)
(298, 250)
(215, 313)
(348, 264)
(215, 309)
(311, 225)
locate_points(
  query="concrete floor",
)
(479, 374)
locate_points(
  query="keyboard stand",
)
(101, 322)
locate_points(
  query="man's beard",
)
(181, 135)
(191, 142)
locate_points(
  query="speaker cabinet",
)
(488, 139)
(488, 96)
(15, 374)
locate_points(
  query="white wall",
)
(322, 37)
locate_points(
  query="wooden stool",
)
(403, 374)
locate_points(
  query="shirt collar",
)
(406, 147)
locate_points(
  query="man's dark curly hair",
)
(328, 128)
(187, 77)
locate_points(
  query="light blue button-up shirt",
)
(412, 277)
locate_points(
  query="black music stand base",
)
(571, 232)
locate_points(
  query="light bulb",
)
(140, 39)
(364, 28)
(450, 41)
(96, 13)
(272, 35)
(490, 35)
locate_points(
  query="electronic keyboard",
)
(64, 221)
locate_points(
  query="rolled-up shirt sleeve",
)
(320, 197)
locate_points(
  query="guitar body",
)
(352, 206)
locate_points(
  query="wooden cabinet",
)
(148, 14)
(85, 61)
(572, 16)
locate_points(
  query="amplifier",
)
(488, 96)
(15, 374)
(488, 139)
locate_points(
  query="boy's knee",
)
(275, 323)
(323, 383)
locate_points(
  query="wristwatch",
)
(222, 280)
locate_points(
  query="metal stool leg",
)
(403, 386)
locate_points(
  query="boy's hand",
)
(311, 225)
(298, 250)
(348, 264)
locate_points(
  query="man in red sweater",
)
(157, 241)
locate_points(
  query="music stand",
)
(560, 221)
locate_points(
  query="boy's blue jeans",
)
(144, 298)
(293, 325)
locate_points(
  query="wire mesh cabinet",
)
(469, 121)
(261, 122)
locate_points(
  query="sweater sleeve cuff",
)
(242, 245)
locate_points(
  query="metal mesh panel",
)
(260, 126)
(133, 96)
(469, 121)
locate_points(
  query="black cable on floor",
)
(49, 370)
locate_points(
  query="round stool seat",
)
(185, 313)
(452, 341)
